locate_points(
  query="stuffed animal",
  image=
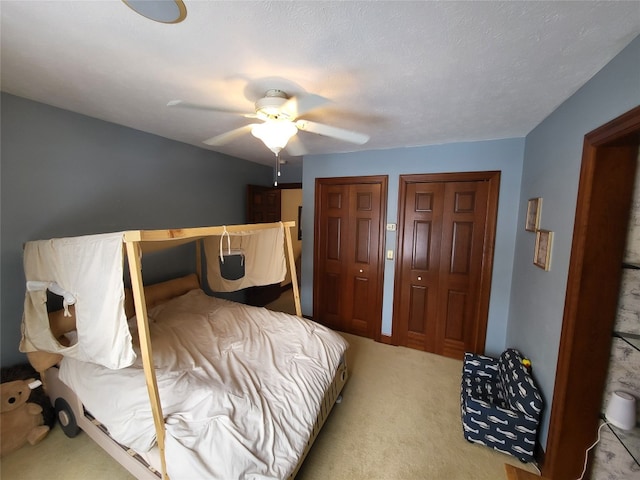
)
(20, 421)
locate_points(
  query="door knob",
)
(419, 278)
(361, 270)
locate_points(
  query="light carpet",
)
(400, 419)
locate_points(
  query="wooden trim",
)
(493, 178)
(387, 339)
(352, 180)
(491, 226)
(605, 192)
(289, 186)
(384, 181)
(199, 261)
(331, 396)
(451, 177)
(183, 235)
(515, 473)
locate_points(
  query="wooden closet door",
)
(349, 254)
(360, 295)
(263, 204)
(420, 265)
(463, 228)
(445, 256)
(332, 256)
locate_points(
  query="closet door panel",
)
(359, 323)
(263, 204)
(416, 334)
(349, 236)
(463, 223)
(363, 267)
(446, 230)
(420, 262)
(332, 252)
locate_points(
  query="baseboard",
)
(539, 455)
(386, 339)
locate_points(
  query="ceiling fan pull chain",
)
(278, 163)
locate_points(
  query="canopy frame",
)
(138, 242)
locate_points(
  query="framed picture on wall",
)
(534, 209)
(542, 251)
(300, 222)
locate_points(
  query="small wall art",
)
(534, 210)
(542, 251)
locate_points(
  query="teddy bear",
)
(20, 420)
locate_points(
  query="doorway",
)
(268, 205)
(446, 235)
(350, 216)
(605, 189)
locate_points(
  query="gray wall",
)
(65, 174)
(504, 155)
(553, 156)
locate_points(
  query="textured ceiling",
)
(405, 73)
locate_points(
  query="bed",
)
(217, 389)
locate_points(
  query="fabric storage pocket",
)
(232, 264)
(231, 261)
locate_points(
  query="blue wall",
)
(65, 174)
(503, 155)
(553, 156)
(527, 303)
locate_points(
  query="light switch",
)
(389, 254)
(391, 227)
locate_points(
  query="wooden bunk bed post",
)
(292, 268)
(199, 261)
(134, 241)
(134, 255)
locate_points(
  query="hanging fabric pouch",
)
(231, 260)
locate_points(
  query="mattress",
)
(240, 386)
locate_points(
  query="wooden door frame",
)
(281, 186)
(383, 180)
(493, 178)
(609, 160)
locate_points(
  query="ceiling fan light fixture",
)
(275, 133)
(163, 11)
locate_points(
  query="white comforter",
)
(240, 388)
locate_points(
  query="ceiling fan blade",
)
(195, 106)
(295, 147)
(228, 136)
(334, 132)
(296, 106)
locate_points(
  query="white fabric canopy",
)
(264, 260)
(89, 268)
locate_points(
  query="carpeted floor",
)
(399, 419)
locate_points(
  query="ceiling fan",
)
(279, 114)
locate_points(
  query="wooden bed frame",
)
(138, 242)
(129, 458)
